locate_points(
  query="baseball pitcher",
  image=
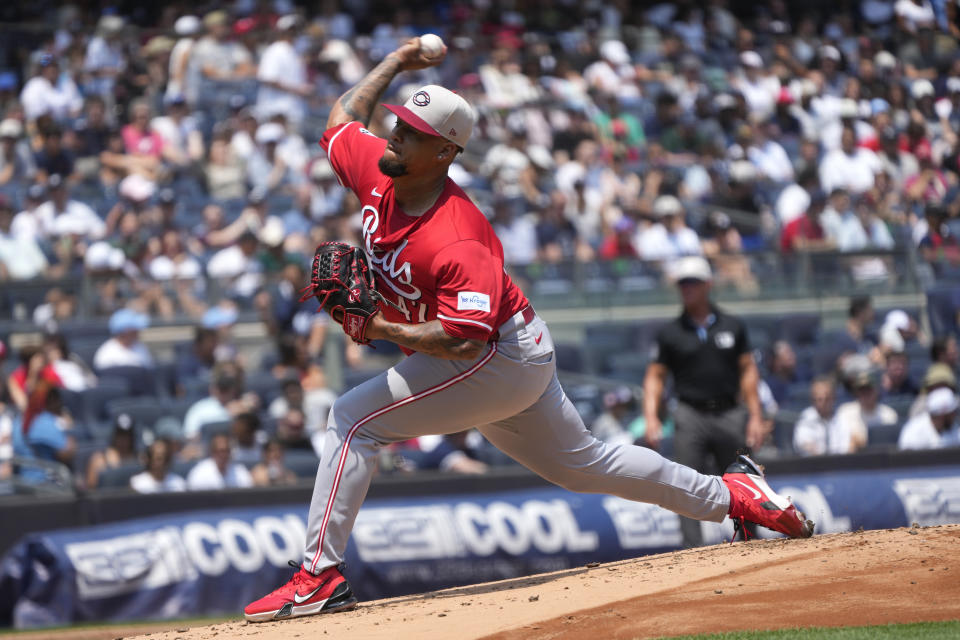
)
(430, 278)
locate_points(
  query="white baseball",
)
(431, 45)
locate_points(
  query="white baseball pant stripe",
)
(512, 395)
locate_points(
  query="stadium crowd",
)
(170, 160)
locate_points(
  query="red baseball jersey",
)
(446, 264)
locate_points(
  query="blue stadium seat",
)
(303, 463)
(264, 384)
(354, 378)
(144, 410)
(118, 477)
(95, 400)
(883, 435)
(628, 366)
(569, 357)
(210, 429)
(140, 380)
(783, 426)
(587, 399)
(799, 329)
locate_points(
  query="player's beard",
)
(392, 168)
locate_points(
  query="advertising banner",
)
(208, 563)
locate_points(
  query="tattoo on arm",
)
(358, 103)
(431, 339)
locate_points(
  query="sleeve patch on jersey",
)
(366, 132)
(473, 301)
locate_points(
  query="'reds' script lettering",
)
(395, 274)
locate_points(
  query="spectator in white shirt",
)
(64, 216)
(862, 229)
(850, 167)
(226, 399)
(187, 29)
(759, 88)
(267, 169)
(669, 237)
(238, 264)
(937, 427)
(283, 75)
(216, 57)
(508, 166)
(914, 14)
(28, 223)
(219, 471)
(174, 262)
(817, 431)
(857, 417)
(517, 233)
(182, 140)
(157, 478)
(47, 94)
(613, 74)
(20, 258)
(124, 348)
(770, 159)
(16, 159)
(104, 59)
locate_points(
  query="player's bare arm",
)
(653, 384)
(749, 379)
(358, 103)
(428, 338)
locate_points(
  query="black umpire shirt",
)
(705, 362)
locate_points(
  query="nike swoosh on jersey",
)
(537, 339)
(373, 192)
(301, 599)
(756, 494)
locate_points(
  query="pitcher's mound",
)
(863, 578)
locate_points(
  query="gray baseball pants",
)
(700, 435)
(512, 395)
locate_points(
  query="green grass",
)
(918, 631)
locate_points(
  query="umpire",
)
(715, 379)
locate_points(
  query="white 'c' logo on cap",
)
(421, 98)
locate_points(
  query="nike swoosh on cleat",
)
(756, 494)
(537, 339)
(301, 599)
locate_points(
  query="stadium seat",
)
(783, 427)
(303, 463)
(264, 384)
(628, 366)
(800, 329)
(210, 429)
(95, 399)
(144, 410)
(85, 348)
(118, 477)
(354, 378)
(183, 467)
(587, 399)
(883, 435)
(605, 340)
(140, 380)
(569, 357)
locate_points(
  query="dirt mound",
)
(872, 577)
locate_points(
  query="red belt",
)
(528, 315)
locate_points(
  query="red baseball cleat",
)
(305, 595)
(752, 500)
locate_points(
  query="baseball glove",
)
(342, 282)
